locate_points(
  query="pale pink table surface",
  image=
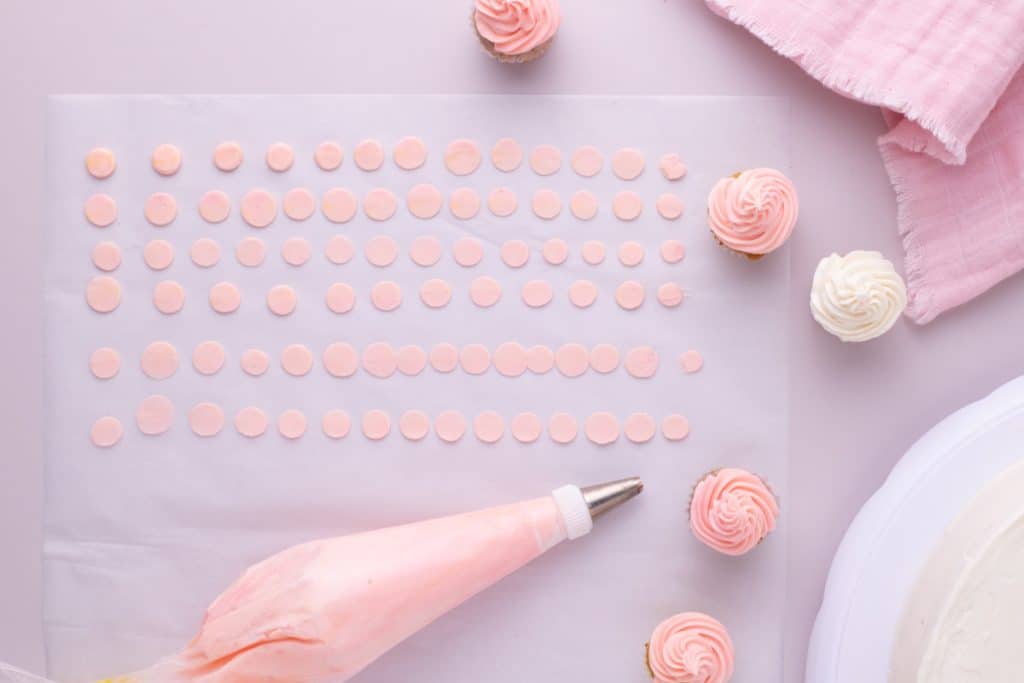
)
(855, 409)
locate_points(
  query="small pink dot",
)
(336, 424)
(328, 155)
(106, 256)
(215, 206)
(227, 156)
(281, 300)
(158, 254)
(376, 425)
(280, 157)
(161, 209)
(691, 361)
(166, 159)
(106, 432)
(168, 297)
(101, 210)
(291, 424)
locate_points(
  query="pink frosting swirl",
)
(690, 648)
(517, 26)
(753, 212)
(732, 511)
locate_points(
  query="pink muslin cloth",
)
(946, 74)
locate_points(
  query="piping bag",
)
(324, 610)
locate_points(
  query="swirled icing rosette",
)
(690, 647)
(753, 212)
(516, 30)
(857, 297)
(732, 510)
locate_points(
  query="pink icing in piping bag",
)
(325, 610)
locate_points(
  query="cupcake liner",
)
(647, 658)
(523, 58)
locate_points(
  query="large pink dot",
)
(328, 155)
(546, 204)
(376, 425)
(630, 295)
(410, 153)
(464, 203)
(545, 159)
(381, 251)
(206, 419)
(154, 415)
(386, 296)
(336, 424)
(280, 157)
(604, 358)
(669, 206)
(510, 359)
(450, 425)
(379, 360)
(672, 167)
(675, 427)
(468, 252)
(562, 427)
(602, 428)
(515, 253)
(101, 210)
(225, 297)
(627, 205)
(106, 256)
(339, 205)
(411, 360)
(380, 204)
(540, 359)
(208, 357)
(255, 362)
(502, 202)
(462, 156)
(369, 155)
(166, 159)
(424, 200)
(160, 209)
(340, 359)
(215, 206)
(489, 426)
(587, 161)
(106, 432)
(642, 362)
(299, 203)
(628, 163)
(159, 360)
(339, 250)
(444, 357)
(341, 298)
(414, 424)
(227, 156)
(205, 252)
(158, 254)
(670, 294)
(640, 427)
(475, 359)
(435, 293)
(291, 424)
(583, 205)
(555, 251)
(100, 163)
(537, 293)
(691, 361)
(251, 252)
(168, 297)
(281, 300)
(631, 254)
(104, 363)
(672, 251)
(296, 360)
(296, 251)
(593, 252)
(259, 208)
(582, 293)
(103, 294)
(572, 360)
(425, 250)
(506, 155)
(526, 427)
(485, 291)
(251, 422)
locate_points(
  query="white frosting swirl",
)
(857, 297)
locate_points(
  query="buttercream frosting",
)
(516, 27)
(753, 212)
(732, 511)
(690, 647)
(858, 296)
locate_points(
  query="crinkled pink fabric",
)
(945, 73)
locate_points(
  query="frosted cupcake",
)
(857, 297)
(517, 31)
(732, 510)
(753, 212)
(690, 648)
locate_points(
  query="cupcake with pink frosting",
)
(732, 510)
(753, 212)
(690, 647)
(516, 31)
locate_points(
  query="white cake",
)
(964, 619)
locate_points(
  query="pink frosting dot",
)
(340, 359)
(228, 156)
(215, 206)
(540, 359)
(444, 357)
(376, 425)
(640, 427)
(386, 296)
(464, 203)
(670, 294)
(206, 419)
(627, 205)
(537, 293)
(468, 252)
(251, 252)
(510, 359)
(381, 251)
(225, 297)
(526, 427)
(166, 159)
(410, 153)
(642, 362)
(339, 250)
(205, 252)
(281, 300)
(604, 358)
(672, 251)
(251, 422)
(602, 428)
(299, 204)
(515, 253)
(106, 256)
(485, 291)
(628, 163)
(380, 204)
(208, 357)
(339, 205)
(291, 424)
(168, 297)
(100, 163)
(675, 427)
(101, 210)
(414, 425)
(280, 157)
(424, 200)
(435, 293)
(154, 415)
(672, 167)
(462, 156)
(555, 251)
(582, 293)
(732, 511)
(631, 254)
(546, 204)
(106, 432)
(328, 155)
(545, 159)
(160, 209)
(506, 155)
(669, 206)
(379, 360)
(340, 298)
(425, 251)
(489, 426)
(689, 648)
(593, 252)
(103, 294)
(369, 155)
(563, 428)
(255, 362)
(296, 360)
(502, 201)
(296, 251)
(587, 161)
(475, 359)
(630, 295)
(159, 360)
(411, 360)
(572, 360)
(691, 361)
(450, 425)
(104, 363)
(583, 205)
(259, 208)
(336, 424)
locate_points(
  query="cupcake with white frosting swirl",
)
(732, 510)
(516, 31)
(857, 297)
(753, 212)
(690, 647)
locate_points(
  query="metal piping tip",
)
(600, 498)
